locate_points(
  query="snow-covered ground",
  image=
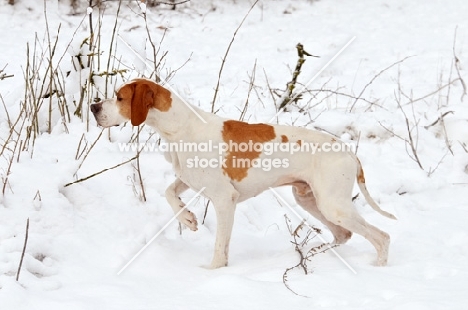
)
(80, 236)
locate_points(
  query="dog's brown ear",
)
(162, 97)
(141, 102)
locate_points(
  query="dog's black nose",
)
(96, 107)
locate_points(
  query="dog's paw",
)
(216, 265)
(381, 262)
(188, 219)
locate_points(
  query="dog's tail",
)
(361, 181)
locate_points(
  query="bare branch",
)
(288, 94)
(440, 119)
(411, 142)
(374, 78)
(300, 243)
(102, 171)
(24, 250)
(251, 87)
(226, 55)
(4, 75)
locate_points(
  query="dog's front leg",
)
(172, 196)
(225, 207)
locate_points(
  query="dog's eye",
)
(119, 99)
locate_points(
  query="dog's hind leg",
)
(305, 198)
(342, 213)
(333, 192)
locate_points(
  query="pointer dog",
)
(322, 182)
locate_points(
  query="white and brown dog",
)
(322, 182)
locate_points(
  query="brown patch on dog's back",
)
(241, 132)
(284, 139)
(299, 142)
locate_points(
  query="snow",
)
(80, 236)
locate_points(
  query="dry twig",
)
(223, 60)
(4, 75)
(288, 96)
(102, 171)
(24, 250)
(373, 79)
(251, 87)
(299, 243)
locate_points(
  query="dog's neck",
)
(175, 123)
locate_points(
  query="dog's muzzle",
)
(96, 108)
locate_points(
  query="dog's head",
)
(132, 102)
